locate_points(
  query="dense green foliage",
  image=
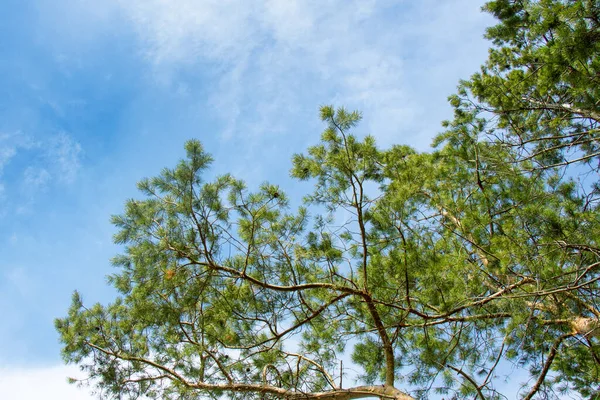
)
(539, 89)
(430, 269)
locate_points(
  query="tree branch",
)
(547, 364)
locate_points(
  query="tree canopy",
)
(429, 269)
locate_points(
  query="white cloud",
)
(60, 155)
(49, 383)
(40, 162)
(272, 60)
(263, 67)
(6, 154)
(35, 179)
(64, 154)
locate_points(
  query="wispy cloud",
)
(39, 164)
(40, 383)
(35, 179)
(271, 59)
(6, 154)
(64, 154)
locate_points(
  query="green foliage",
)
(540, 81)
(429, 269)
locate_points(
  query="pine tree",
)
(429, 269)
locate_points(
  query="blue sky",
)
(95, 95)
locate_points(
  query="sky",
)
(95, 95)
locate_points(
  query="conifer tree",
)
(430, 270)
